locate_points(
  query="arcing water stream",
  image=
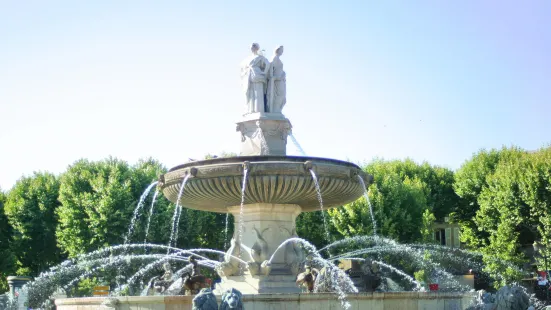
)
(136, 268)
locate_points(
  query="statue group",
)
(263, 81)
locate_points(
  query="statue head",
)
(231, 299)
(205, 300)
(254, 48)
(278, 51)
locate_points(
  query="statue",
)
(294, 255)
(259, 255)
(259, 250)
(276, 94)
(307, 278)
(194, 281)
(205, 300)
(231, 299)
(330, 277)
(165, 280)
(254, 71)
(370, 275)
(506, 298)
(230, 266)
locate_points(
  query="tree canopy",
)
(97, 202)
(30, 209)
(514, 211)
(7, 259)
(402, 192)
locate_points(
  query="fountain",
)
(267, 265)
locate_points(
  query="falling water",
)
(226, 231)
(137, 210)
(150, 214)
(240, 231)
(320, 199)
(146, 289)
(369, 204)
(297, 145)
(338, 281)
(177, 213)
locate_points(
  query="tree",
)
(7, 259)
(98, 200)
(201, 229)
(30, 208)
(469, 182)
(401, 193)
(310, 227)
(515, 207)
(143, 174)
(196, 227)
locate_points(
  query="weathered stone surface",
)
(205, 300)
(377, 301)
(264, 134)
(215, 184)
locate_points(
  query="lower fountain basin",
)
(215, 184)
(392, 300)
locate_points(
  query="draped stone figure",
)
(254, 71)
(276, 93)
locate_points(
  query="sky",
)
(428, 80)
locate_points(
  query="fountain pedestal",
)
(265, 226)
(264, 134)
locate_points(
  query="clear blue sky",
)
(430, 80)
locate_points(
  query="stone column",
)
(264, 134)
(16, 283)
(265, 227)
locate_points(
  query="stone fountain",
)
(277, 187)
(265, 190)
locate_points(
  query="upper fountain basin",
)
(215, 184)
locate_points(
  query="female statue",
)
(253, 76)
(277, 94)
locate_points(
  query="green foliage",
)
(427, 231)
(84, 288)
(30, 208)
(400, 194)
(310, 227)
(97, 202)
(200, 229)
(7, 259)
(143, 174)
(221, 155)
(514, 209)
(470, 179)
(421, 276)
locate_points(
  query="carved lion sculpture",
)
(231, 299)
(205, 300)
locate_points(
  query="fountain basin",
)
(215, 184)
(392, 300)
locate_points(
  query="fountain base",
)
(248, 284)
(264, 134)
(379, 301)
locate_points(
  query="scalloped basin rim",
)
(215, 184)
(260, 158)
